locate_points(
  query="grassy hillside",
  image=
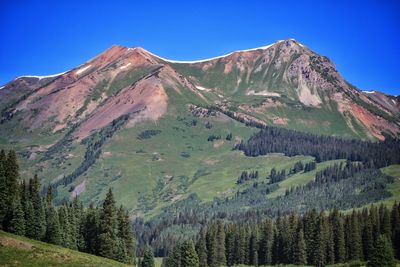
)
(21, 251)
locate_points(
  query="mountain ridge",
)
(129, 119)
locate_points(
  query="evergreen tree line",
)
(246, 176)
(310, 166)
(371, 235)
(105, 231)
(213, 137)
(276, 177)
(339, 172)
(186, 217)
(323, 148)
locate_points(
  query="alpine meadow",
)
(262, 157)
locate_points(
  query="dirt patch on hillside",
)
(280, 121)
(79, 189)
(210, 161)
(260, 108)
(11, 242)
(372, 122)
(218, 144)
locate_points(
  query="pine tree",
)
(395, 216)
(17, 223)
(65, 228)
(11, 174)
(77, 213)
(174, 257)
(3, 188)
(386, 227)
(367, 237)
(125, 234)
(211, 239)
(39, 223)
(354, 238)
(91, 229)
(241, 244)
(53, 234)
(382, 255)
(299, 251)
(148, 258)
(253, 248)
(338, 236)
(189, 256)
(310, 234)
(201, 249)
(107, 245)
(220, 245)
(321, 238)
(266, 242)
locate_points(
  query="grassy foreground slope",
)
(21, 251)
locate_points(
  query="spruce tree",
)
(395, 216)
(39, 223)
(386, 227)
(253, 248)
(17, 223)
(367, 237)
(125, 235)
(310, 234)
(230, 240)
(382, 255)
(321, 241)
(107, 245)
(174, 257)
(266, 243)
(65, 228)
(11, 188)
(148, 258)
(354, 238)
(189, 256)
(220, 241)
(53, 234)
(299, 251)
(201, 249)
(211, 241)
(3, 189)
(338, 237)
(91, 229)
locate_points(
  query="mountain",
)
(156, 130)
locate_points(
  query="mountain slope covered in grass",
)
(158, 131)
(21, 251)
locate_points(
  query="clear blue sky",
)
(47, 37)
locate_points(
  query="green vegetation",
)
(104, 231)
(368, 236)
(21, 251)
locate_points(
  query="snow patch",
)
(82, 70)
(201, 88)
(125, 66)
(394, 102)
(2, 87)
(369, 92)
(214, 58)
(262, 93)
(42, 77)
(221, 96)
